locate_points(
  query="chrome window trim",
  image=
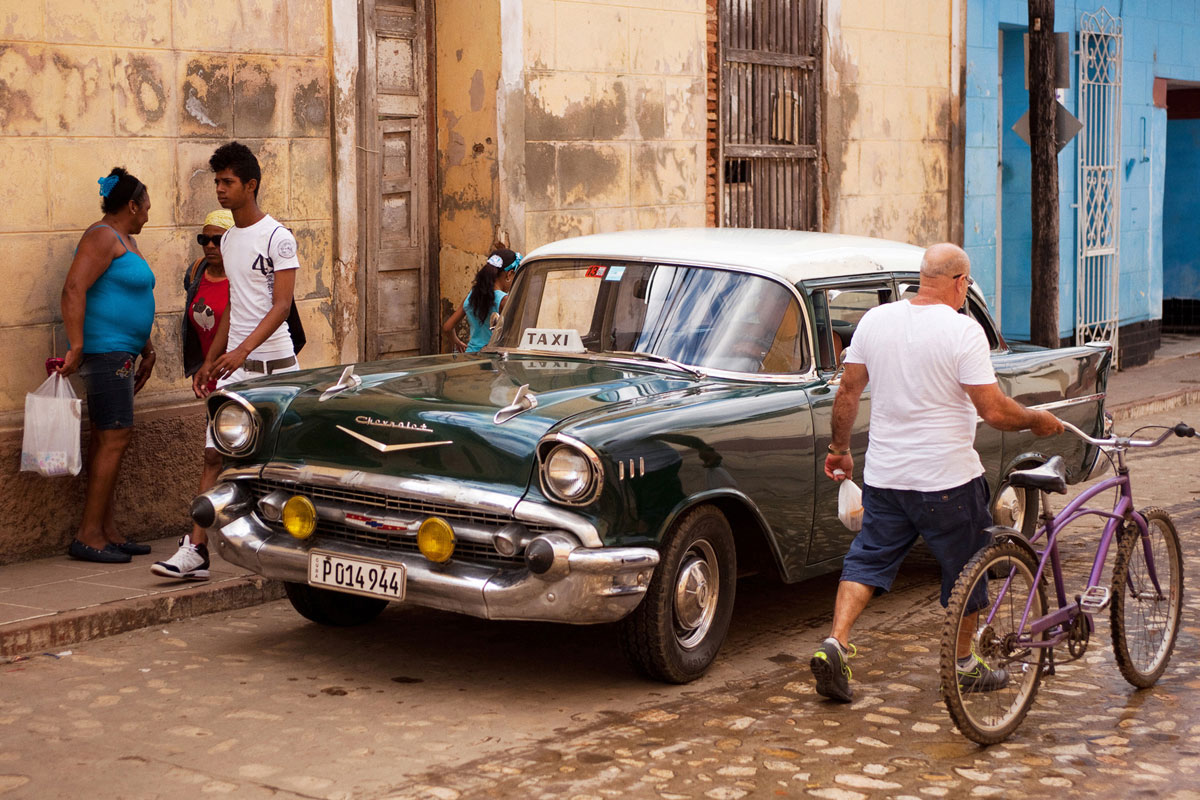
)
(558, 439)
(1073, 401)
(246, 405)
(447, 492)
(753, 377)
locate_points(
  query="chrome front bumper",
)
(585, 585)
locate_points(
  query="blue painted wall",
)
(1016, 224)
(1155, 33)
(1181, 211)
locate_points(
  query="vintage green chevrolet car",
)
(648, 423)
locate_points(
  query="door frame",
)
(369, 174)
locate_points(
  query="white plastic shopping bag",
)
(850, 510)
(52, 420)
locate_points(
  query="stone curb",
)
(1153, 405)
(97, 622)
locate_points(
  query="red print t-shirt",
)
(210, 302)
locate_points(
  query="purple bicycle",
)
(1000, 635)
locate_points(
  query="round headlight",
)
(233, 427)
(569, 474)
(435, 540)
(299, 517)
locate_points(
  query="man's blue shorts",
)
(952, 522)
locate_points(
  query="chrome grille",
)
(464, 550)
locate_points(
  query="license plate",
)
(366, 576)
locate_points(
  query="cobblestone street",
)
(422, 704)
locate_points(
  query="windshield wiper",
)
(679, 365)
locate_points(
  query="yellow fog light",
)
(435, 537)
(299, 517)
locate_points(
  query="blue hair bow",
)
(107, 184)
(516, 263)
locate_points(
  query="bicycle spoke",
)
(1145, 611)
(989, 694)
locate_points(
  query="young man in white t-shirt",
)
(253, 338)
(931, 373)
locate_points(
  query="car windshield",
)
(707, 318)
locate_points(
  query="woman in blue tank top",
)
(488, 292)
(108, 313)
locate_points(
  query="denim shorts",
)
(109, 381)
(952, 522)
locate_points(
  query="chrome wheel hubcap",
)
(697, 587)
(1009, 508)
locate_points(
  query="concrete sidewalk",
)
(53, 602)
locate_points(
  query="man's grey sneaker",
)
(190, 562)
(974, 675)
(829, 667)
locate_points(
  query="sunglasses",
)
(970, 280)
(204, 240)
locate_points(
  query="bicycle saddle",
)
(1049, 477)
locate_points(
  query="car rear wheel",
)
(327, 607)
(1016, 507)
(675, 633)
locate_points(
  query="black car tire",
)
(327, 607)
(659, 637)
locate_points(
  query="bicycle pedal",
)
(1095, 599)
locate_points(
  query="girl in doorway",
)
(487, 296)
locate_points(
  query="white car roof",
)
(792, 255)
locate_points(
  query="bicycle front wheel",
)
(989, 697)
(1147, 598)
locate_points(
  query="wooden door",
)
(398, 230)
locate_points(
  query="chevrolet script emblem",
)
(363, 419)
(390, 448)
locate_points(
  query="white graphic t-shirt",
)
(918, 359)
(252, 257)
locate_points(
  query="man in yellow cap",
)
(207, 300)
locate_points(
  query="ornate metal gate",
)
(769, 129)
(1099, 176)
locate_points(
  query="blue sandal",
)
(132, 548)
(109, 555)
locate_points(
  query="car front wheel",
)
(677, 630)
(327, 607)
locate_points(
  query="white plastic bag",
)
(850, 510)
(52, 420)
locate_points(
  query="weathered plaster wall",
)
(467, 39)
(153, 86)
(614, 117)
(887, 119)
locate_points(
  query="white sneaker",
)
(190, 562)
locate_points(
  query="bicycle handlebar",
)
(1181, 430)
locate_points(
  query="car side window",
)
(838, 312)
(973, 309)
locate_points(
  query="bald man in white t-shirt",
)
(931, 375)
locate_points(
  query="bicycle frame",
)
(1067, 612)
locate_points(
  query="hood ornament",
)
(348, 381)
(523, 401)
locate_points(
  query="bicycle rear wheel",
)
(984, 713)
(1145, 613)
